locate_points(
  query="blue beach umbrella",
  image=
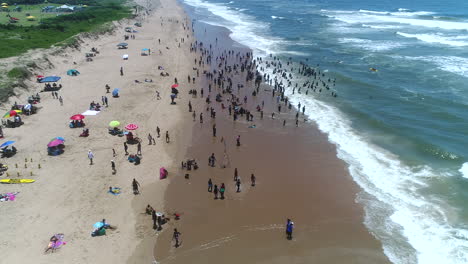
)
(50, 79)
(115, 91)
(98, 225)
(145, 49)
(8, 143)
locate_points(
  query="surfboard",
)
(17, 181)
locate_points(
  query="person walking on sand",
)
(155, 218)
(90, 157)
(210, 185)
(61, 100)
(135, 185)
(176, 237)
(150, 139)
(252, 179)
(126, 148)
(201, 118)
(222, 189)
(167, 137)
(139, 148)
(114, 171)
(214, 130)
(238, 141)
(190, 106)
(238, 184)
(158, 131)
(121, 71)
(236, 175)
(215, 191)
(194, 115)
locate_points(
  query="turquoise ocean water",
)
(403, 130)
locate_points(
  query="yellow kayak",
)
(17, 181)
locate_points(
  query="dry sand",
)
(70, 195)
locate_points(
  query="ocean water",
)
(403, 130)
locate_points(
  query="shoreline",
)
(229, 233)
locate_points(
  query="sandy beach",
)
(298, 174)
(70, 195)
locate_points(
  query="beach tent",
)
(50, 79)
(125, 56)
(73, 72)
(145, 52)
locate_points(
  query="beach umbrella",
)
(115, 92)
(12, 113)
(4, 4)
(175, 85)
(145, 49)
(27, 107)
(58, 138)
(50, 79)
(98, 225)
(8, 143)
(55, 143)
(77, 117)
(125, 56)
(131, 127)
(40, 76)
(123, 44)
(114, 123)
(72, 71)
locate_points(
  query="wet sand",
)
(298, 177)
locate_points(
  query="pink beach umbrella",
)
(55, 143)
(131, 127)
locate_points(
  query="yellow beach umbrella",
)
(114, 123)
(4, 4)
(85, 6)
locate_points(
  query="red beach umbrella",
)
(175, 85)
(131, 127)
(77, 117)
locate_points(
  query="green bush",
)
(54, 30)
(18, 73)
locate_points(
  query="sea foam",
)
(436, 38)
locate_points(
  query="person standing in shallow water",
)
(289, 229)
(210, 185)
(222, 189)
(215, 191)
(176, 237)
(238, 141)
(238, 184)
